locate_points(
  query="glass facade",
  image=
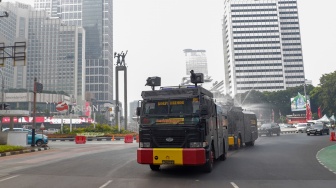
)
(262, 46)
(95, 16)
(55, 55)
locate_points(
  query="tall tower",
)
(12, 27)
(262, 45)
(96, 17)
(55, 55)
(196, 60)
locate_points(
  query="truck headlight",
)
(145, 145)
(198, 144)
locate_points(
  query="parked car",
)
(318, 128)
(39, 138)
(269, 129)
(302, 127)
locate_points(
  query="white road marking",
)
(108, 182)
(234, 185)
(9, 178)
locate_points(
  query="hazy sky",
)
(155, 32)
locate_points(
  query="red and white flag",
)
(308, 111)
(319, 113)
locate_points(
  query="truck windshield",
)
(174, 111)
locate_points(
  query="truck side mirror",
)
(138, 109)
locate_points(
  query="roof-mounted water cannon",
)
(196, 77)
(153, 81)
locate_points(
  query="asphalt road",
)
(279, 161)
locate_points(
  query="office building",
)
(55, 55)
(195, 60)
(262, 46)
(13, 28)
(95, 16)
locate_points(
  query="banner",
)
(298, 103)
(319, 113)
(308, 112)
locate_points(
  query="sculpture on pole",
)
(120, 62)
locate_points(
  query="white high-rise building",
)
(262, 46)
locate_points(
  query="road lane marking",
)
(234, 185)
(108, 182)
(9, 178)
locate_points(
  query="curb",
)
(23, 151)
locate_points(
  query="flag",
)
(279, 113)
(319, 113)
(308, 112)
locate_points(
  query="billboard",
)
(298, 103)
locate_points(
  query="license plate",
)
(167, 162)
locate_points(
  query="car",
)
(269, 129)
(39, 138)
(318, 128)
(302, 127)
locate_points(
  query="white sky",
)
(155, 32)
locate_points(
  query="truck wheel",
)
(250, 143)
(154, 167)
(209, 164)
(224, 155)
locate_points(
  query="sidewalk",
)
(327, 157)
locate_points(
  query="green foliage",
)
(327, 92)
(7, 148)
(98, 128)
(321, 96)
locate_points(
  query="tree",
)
(327, 92)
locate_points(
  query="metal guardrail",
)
(288, 130)
(88, 139)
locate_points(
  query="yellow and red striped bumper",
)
(176, 156)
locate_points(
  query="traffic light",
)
(4, 106)
(39, 87)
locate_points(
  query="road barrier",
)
(137, 138)
(128, 139)
(332, 136)
(80, 139)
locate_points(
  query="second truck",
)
(183, 126)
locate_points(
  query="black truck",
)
(180, 126)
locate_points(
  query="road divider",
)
(93, 139)
(332, 136)
(80, 139)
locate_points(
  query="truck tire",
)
(224, 155)
(154, 167)
(208, 166)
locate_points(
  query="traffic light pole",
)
(34, 114)
(2, 96)
(2, 90)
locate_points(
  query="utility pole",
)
(38, 87)
(34, 114)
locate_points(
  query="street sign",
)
(42, 126)
(62, 107)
